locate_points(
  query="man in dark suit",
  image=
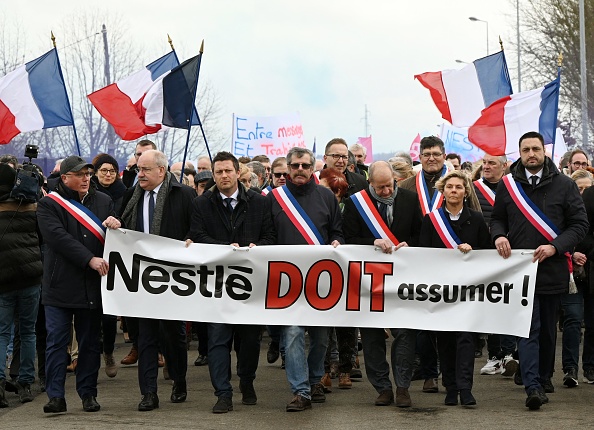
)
(401, 214)
(336, 155)
(230, 214)
(159, 205)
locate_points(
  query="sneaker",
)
(327, 383)
(588, 376)
(493, 367)
(570, 379)
(298, 404)
(510, 366)
(111, 369)
(24, 392)
(344, 381)
(317, 393)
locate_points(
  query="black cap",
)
(74, 163)
(205, 175)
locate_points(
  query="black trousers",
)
(456, 355)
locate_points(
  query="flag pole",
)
(194, 106)
(66, 92)
(559, 63)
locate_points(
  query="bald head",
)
(380, 168)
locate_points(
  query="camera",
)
(31, 151)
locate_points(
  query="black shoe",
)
(570, 379)
(3, 401)
(543, 397)
(547, 385)
(248, 393)
(466, 398)
(24, 392)
(533, 401)
(273, 352)
(90, 404)
(42, 384)
(179, 392)
(55, 406)
(202, 360)
(451, 398)
(148, 402)
(223, 405)
(317, 393)
(518, 377)
(11, 386)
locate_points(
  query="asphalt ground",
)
(500, 404)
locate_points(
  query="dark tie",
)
(383, 210)
(228, 201)
(533, 180)
(151, 208)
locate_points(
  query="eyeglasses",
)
(107, 171)
(304, 166)
(578, 164)
(87, 174)
(427, 155)
(338, 157)
(145, 169)
(284, 174)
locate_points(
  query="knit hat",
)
(106, 158)
(7, 175)
(74, 163)
(205, 175)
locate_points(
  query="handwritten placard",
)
(272, 136)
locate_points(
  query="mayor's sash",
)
(442, 225)
(297, 215)
(372, 217)
(82, 214)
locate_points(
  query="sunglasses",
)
(278, 175)
(304, 166)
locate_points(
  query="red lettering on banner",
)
(276, 269)
(311, 285)
(353, 299)
(378, 272)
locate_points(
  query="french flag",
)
(33, 97)
(500, 126)
(461, 95)
(122, 103)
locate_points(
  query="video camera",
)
(29, 179)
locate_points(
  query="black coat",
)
(486, 207)
(406, 224)
(356, 182)
(251, 221)
(558, 197)
(68, 281)
(116, 191)
(470, 228)
(177, 212)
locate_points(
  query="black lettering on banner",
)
(177, 277)
(147, 278)
(239, 282)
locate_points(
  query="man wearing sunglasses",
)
(336, 155)
(301, 201)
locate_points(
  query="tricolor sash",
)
(372, 217)
(82, 214)
(428, 204)
(444, 229)
(487, 192)
(532, 213)
(297, 215)
(266, 190)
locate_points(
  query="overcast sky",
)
(325, 59)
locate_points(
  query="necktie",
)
(383, 210)
(151, 208)
(228, 201)
(533, 180)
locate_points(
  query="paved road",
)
(500, 405)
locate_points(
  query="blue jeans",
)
(303, 372)
(24, 303)
(87, 325)
(573, 310)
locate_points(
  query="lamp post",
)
(474, 19)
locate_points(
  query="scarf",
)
(389, 201)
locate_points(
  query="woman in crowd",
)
(336, 181)
(465, 230)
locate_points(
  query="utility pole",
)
(110, 131)
(366, 119)
(584, 82)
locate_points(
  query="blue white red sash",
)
(266, 190)
(487, 192)
(532, 213)
(372, 217)
(428, 204)
(444, 229)
(297, 215)
(82, 214)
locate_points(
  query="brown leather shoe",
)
(298, 404)
(327, 383)
(72, 366)
(385, 398)
(344, 381)
(430, 386)
(403, 398)
(131, 358)
(161, 360)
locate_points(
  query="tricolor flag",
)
(122, 103)
(498, 130)
(33, 97)
(461, 95)
(170, 101)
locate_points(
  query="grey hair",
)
(299, 152)
(159, 158)
(357, 146)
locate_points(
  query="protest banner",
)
(455, 140)
(351, 285)
(272, 136)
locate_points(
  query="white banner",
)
(351, 285)
(272, 136)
